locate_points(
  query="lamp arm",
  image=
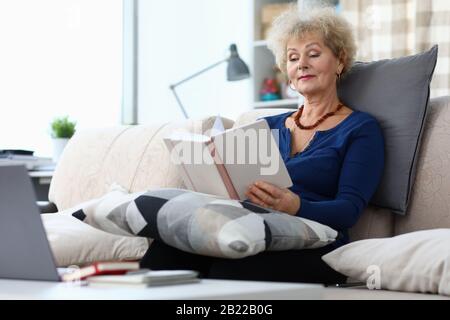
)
(198, 73)
(179, 101)
(173, 86)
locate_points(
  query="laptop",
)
(25, 252)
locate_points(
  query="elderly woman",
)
(334, 155)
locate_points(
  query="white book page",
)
(217, 127)
(254, 157)
(196, 167)
(206, 179)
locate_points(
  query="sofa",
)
(136, 158)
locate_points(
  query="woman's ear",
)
(341, 63)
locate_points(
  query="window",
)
(58, 57)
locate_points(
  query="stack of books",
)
(27, 159)
(98, 268)
(145, 278)
(125, 273)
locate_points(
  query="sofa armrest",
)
(47, 207)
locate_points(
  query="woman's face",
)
(311, 65)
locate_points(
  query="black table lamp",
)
(236, 70)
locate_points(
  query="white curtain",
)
(395, 28)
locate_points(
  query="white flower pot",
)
(58, 147)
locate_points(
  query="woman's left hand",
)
(270, 196)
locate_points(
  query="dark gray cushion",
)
(396, 93)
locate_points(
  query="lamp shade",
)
(237, 69)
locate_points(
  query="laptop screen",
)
(24, 249)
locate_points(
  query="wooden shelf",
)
(263, 65)
(285, 103)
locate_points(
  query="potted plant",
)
(62, 129)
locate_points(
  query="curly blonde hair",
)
(337, 33)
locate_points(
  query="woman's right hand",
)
(270, 196)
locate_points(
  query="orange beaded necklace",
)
(322, 119)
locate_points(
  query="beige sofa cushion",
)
(373, 223)
(134, 157)
(430, 206)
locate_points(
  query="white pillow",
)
(74, 242)
(414, 262)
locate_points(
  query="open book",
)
(227, 162)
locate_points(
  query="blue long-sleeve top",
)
(337, 173)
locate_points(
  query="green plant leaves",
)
(63, 128)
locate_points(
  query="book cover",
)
(100, 268)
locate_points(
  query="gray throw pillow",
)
(396, 92)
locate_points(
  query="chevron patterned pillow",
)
(204, 224)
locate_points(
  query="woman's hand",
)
(269, 196)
